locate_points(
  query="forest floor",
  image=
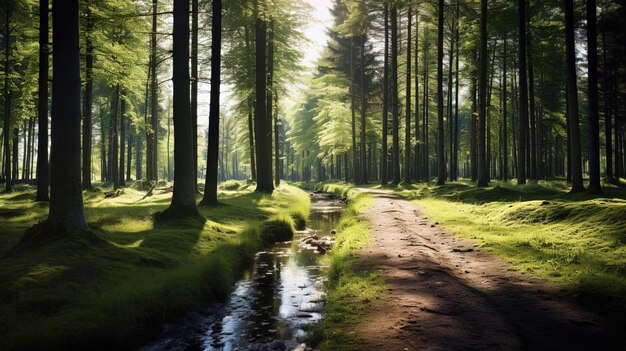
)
(72, 294)
(504, 267)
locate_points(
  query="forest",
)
(312, 175)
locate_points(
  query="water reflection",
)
(271, 306)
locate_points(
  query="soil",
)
(445, 293)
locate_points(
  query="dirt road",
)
(446, 294)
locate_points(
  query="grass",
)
(352, 283)
(578, 242)
(71, 294)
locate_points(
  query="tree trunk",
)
(425, 117)
(394, 97)
(407, 117)
(384, 154)
(66, 214)
(264, 168)
(183, 203)
(363, 151)
(607, 111)
(43, 178)
(152, 135)
(355, 165)
(592, 96)
(269, 104)
(114, 138)
(8, 175)
(449, 109)
(456, 101)
(572, 99)
(277, 159)
(534, 154)
(194, 87)
(523, 98)
(210, 189)
(417, 167)
(441, 158)
(122, 177)
(505, 148)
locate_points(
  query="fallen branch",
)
(149, 193)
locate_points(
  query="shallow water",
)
(271, 306)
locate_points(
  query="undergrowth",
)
(352, 282)
(71, 295)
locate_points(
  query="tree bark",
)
(66, 214)
(395, 151)
(592, 97)
(122, 177)
(441, 160)
(183, 203)
(114, 138)
(523, 98)
(362, 140)
(264, 168)
(505, 148)
(572, 100)
(384, 154)
(43, 177)
(8, 175)
(152, 135)
(407, 117)
(210, 189)
(194, 87)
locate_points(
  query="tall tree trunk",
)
(183, 203)
(523, 98)
(122, 177)
(407, 117)
(456, 101)
(362, 140)
(269, 104)
(43, 178)
(474, 122)
(66, 216)
(572, 99)
(592, 93)
(482, 96)
(7, 98)
(505, 148)
(425, 117)
(449, 109)
(384, 155)
(441, 158)
(355, 164)
(277, 160)
(114, 138)
(194, 87)
(607, 111)
(210, 190)
(394, 97)
(152, 135)
(534, 154)
(129, 155)
(264, 168)
(417, 162)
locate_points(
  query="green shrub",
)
(299, 220)
(276, 230)
(230, 185)
(142, 185)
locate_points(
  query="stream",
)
(272, 304)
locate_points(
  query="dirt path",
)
(445, 294)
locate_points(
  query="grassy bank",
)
(72, 294)
(352, 283)
(578, 242)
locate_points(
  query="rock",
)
(333, 232)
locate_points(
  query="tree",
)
(572, 100)
(152, 139)
(43, 180)
(407, 126)
(441, 158)
(210, 189)
(395, 151)
(482, 97)
(66, 217)
(263, 164)
(183, 203)
(385, 152)
(523, 96)
(592, 97)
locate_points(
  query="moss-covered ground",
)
(74, 294)
(353, 284)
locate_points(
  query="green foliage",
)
(276, 230)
